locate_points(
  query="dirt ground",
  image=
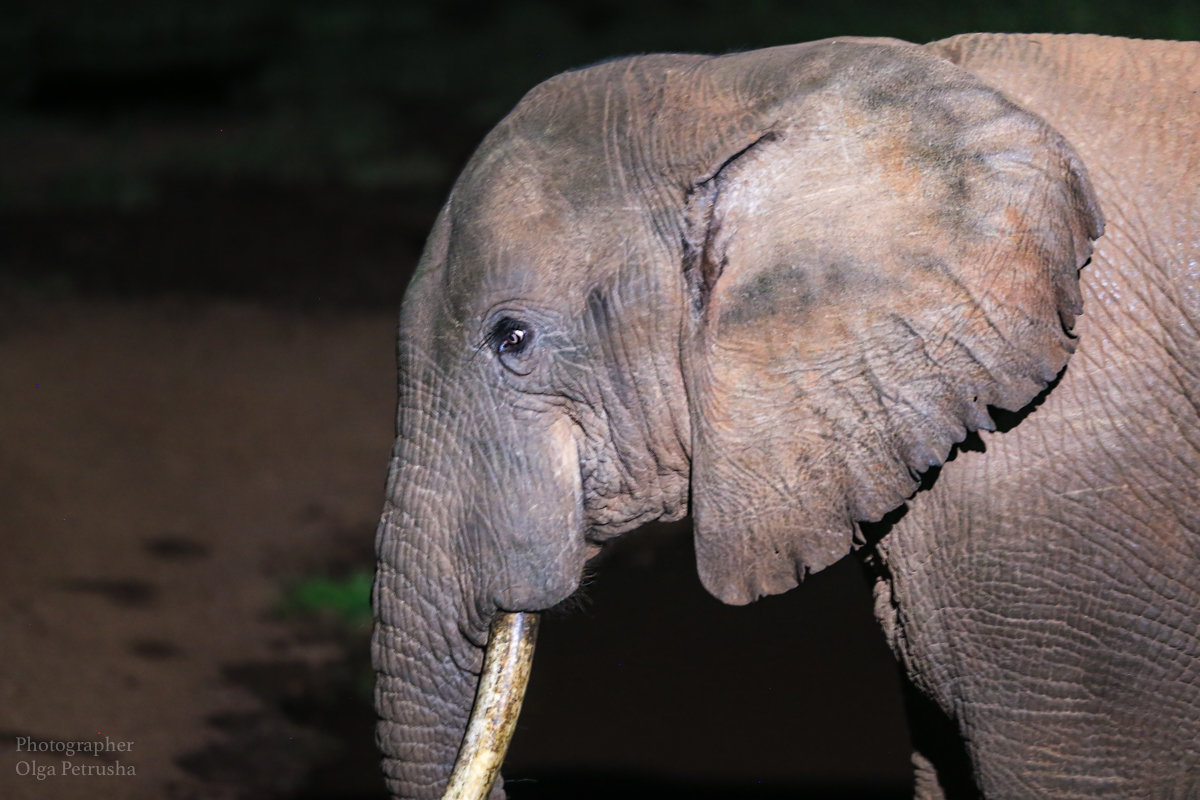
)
(165, 467)
(169, 464)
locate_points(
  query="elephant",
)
(937, 305)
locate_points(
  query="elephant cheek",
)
(544, 560)
(564, 457)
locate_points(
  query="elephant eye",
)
(514, 341)
(509, 336)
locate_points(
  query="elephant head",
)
(771, 288)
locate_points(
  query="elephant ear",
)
(895, 250)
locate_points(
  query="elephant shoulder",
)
(1129, 107)
(1064, 76)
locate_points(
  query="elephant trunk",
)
(427, 656)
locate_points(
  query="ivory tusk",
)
(498, 699)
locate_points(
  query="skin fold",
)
(829, 297)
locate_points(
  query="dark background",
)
(297, 151)
(291, 156)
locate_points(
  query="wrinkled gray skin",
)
(773, 289)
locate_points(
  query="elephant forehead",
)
(522, 244)
(540, 221)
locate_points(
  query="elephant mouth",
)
(506, 667)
